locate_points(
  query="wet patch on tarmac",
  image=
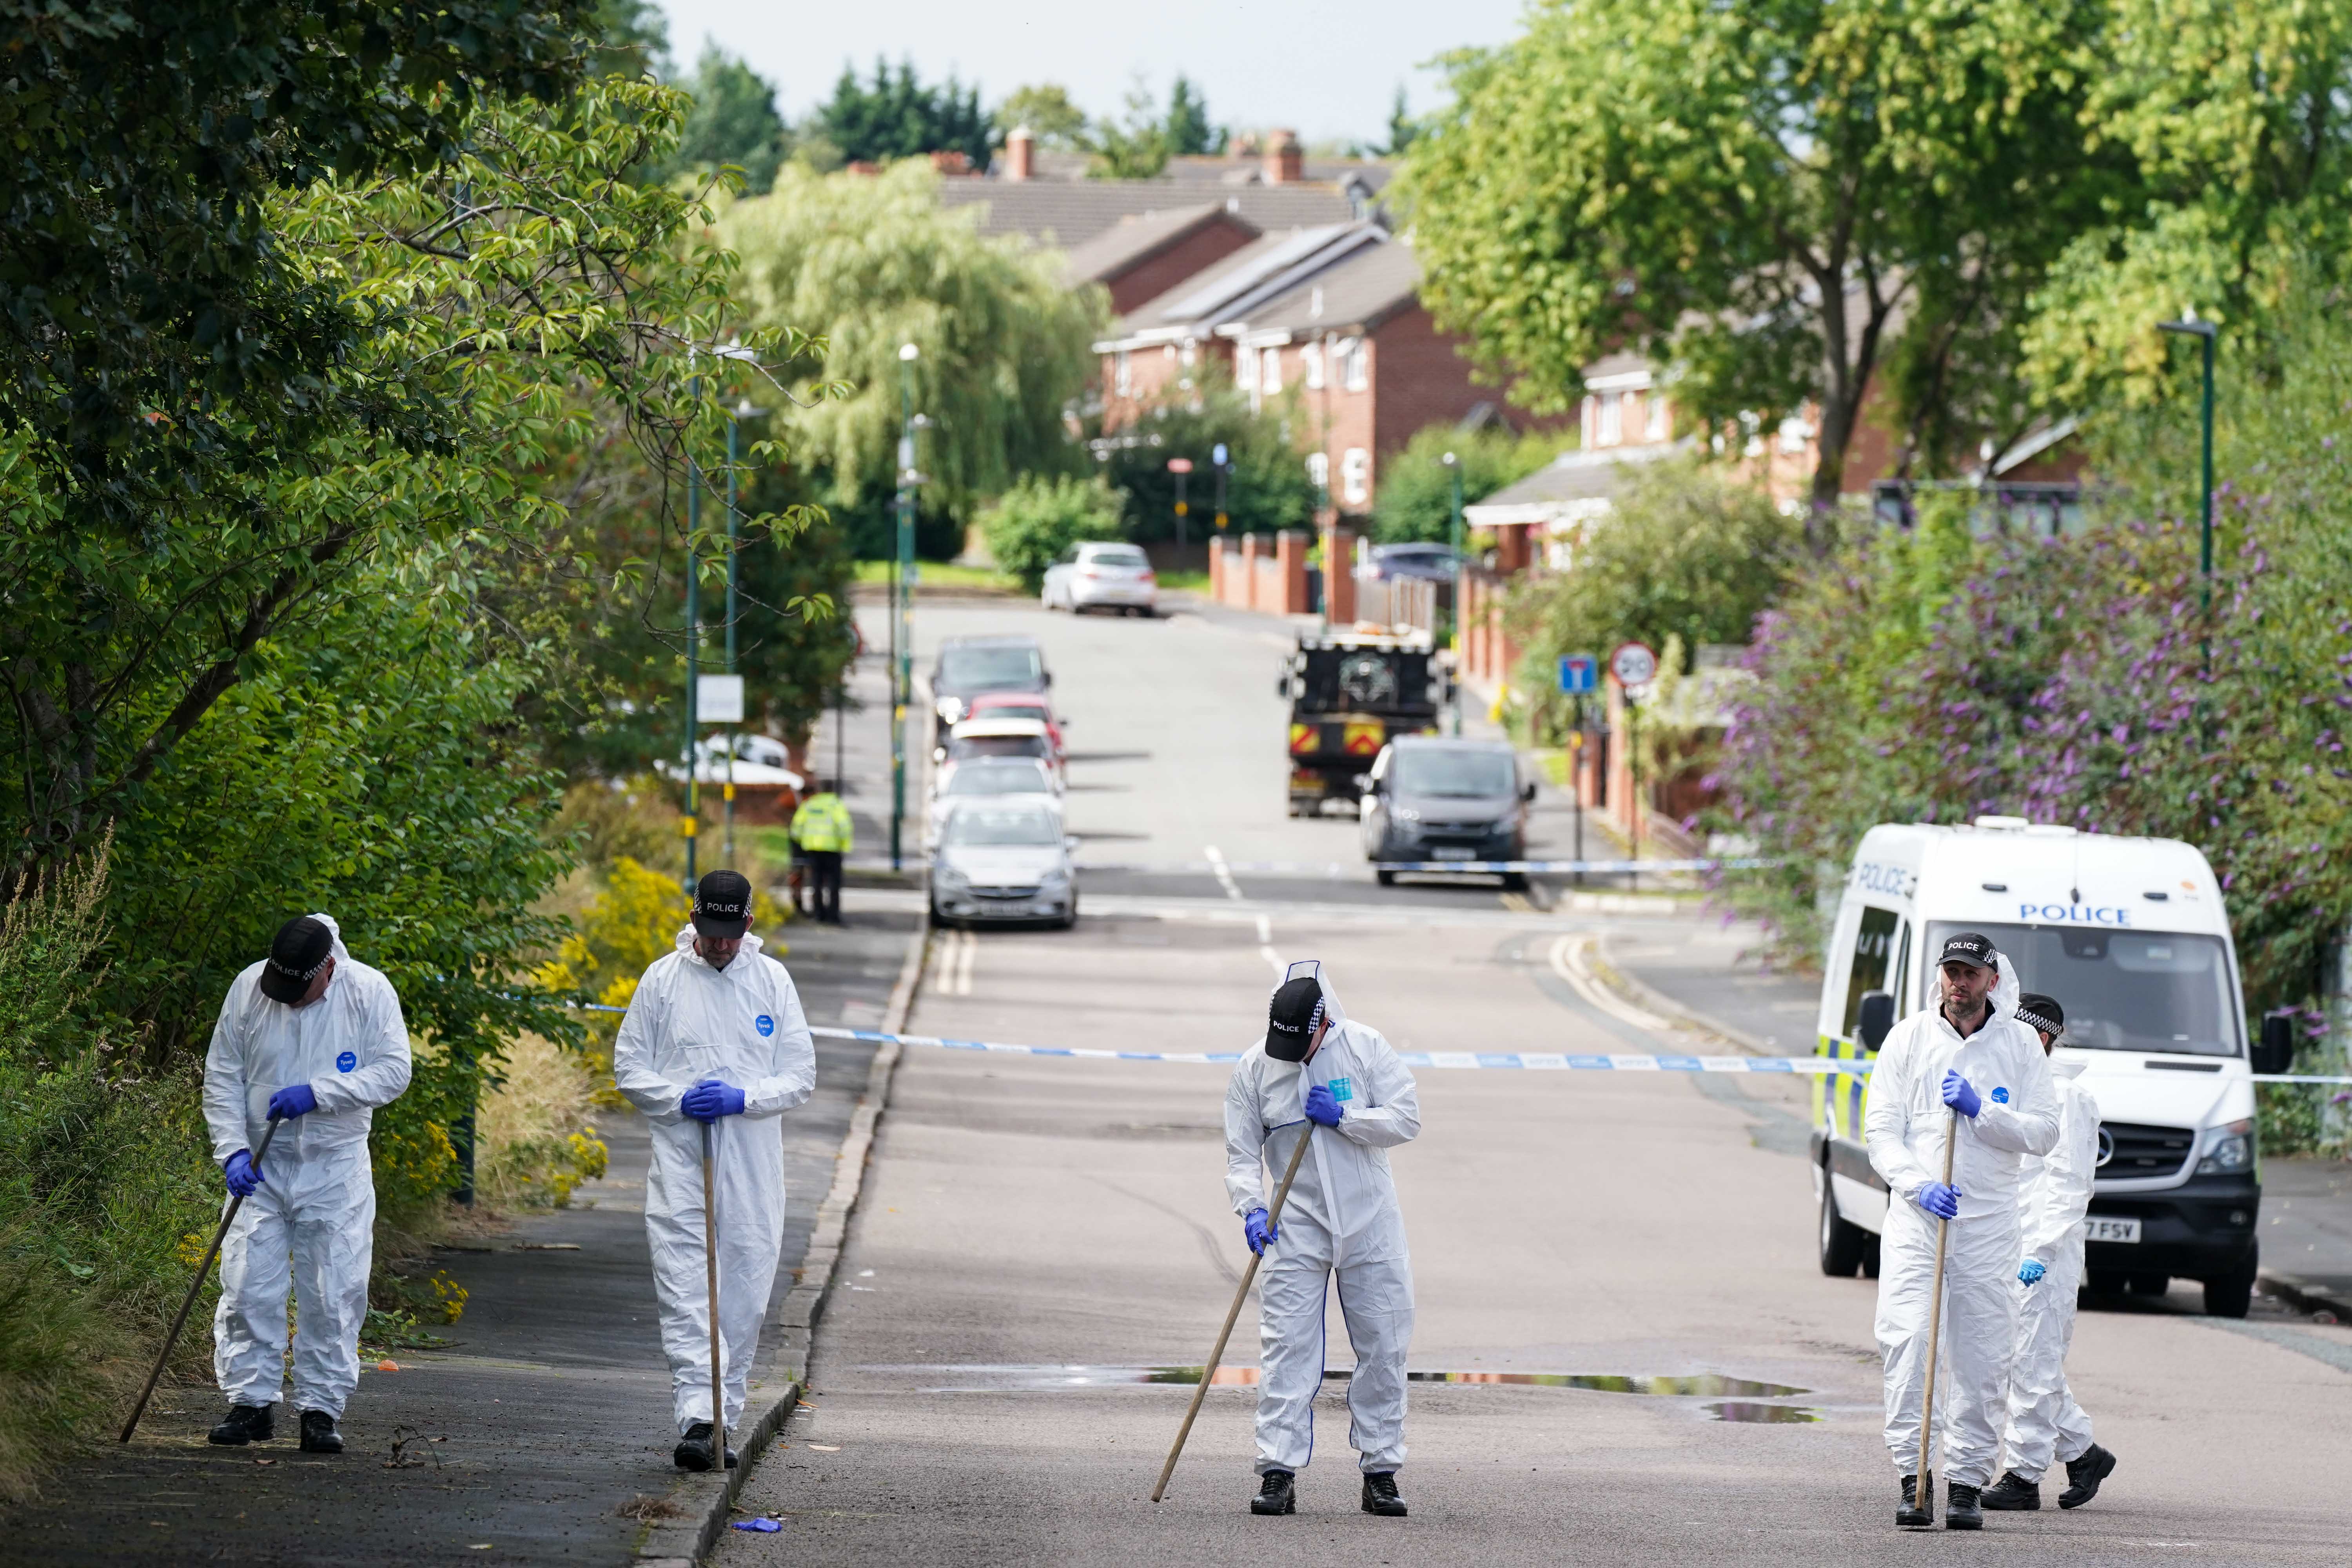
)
(1769, 1415)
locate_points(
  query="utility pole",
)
(1454, 470)
(2205, 333)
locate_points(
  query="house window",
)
(1245, 369)
(1318, 473)
(1356, 476)
(1123, 379)
(1612, 419)
(1353, 372)
(1270, 371)
(1311, 356)
(1184, 357)
(1656, 424)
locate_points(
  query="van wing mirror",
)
(1528, 790)
(2276, 1053)
(1876, 1019)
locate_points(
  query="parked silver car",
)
(1002, 858)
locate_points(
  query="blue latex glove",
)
(242, 1174)
(1961, 1096)
(1939, 1200)
(2032, 1272)
(294, 1100)
(712, 1099)
(1321, 1109)
(1257, 1229)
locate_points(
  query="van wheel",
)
(2230, 1294)
(1515, 881)
(1841, 1239)
(1388, 879)
(2149, 1284)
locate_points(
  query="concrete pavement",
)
(1036, 1231)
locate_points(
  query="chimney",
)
(1021, 153)
(1284, 163)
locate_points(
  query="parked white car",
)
(1002, 779)
(1103, 577)
(1004, 860)
(992, 739)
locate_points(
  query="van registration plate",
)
(1452, 852)
(2098, 1229)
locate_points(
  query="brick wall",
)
(1156, 274)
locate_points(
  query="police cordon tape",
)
(1505, 1061)
(1338, 869)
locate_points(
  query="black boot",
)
(693, 1450)
(2082, 1476)
(1275, 1493)
(1963, 1508)
(244, 1424)
(1918, 1507)
(1380, 1494)
(2013, 1494)
(319, 1433)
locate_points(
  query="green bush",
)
(1416, 504)
(1032, 523)
(1266, 487)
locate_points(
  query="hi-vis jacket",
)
(2058, 1189)
(1343, 1206)
(350, 1046)
(823, 823)
(1904, 1124)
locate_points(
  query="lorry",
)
(2132, 938)
(1350, 693)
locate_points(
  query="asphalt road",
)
(1036, 1234)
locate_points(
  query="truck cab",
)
(1350, 693)
(2132, 937)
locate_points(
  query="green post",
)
(689, 825)
(902, 631)
(733, 589)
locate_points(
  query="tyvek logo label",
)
(767, 1024)
(2000, 1096)
(347, 1061)
(1342, 1089)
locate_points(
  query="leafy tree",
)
(899, 117)
(628, 37)
(1029, 526)
(1267, 489)
(734, 120)
(1688, 552)
(1403, 129)
(1005, 346)
(1188, 131)
(1775, 198)
(1416, 495)
(1046, 110)
(1135, 148)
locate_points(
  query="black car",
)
(966, 666)
(1436, 799)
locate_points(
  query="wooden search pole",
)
(236, 1202)
(1217, 1353)
(1920, 1498)
(711, 1265)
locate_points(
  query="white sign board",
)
(1633, 664)
(718, 699)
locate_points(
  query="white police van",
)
(2131, 936)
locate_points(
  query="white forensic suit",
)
(743, 1024)
(1904, 1127)
(310, 1225)
(1340, 1218)
(2044, 1422)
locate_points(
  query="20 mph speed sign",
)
(1633, 664)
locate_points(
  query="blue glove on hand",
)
(242, 1174)
(712, 1099)
(1939, 1200)
(1258, 1230)
(1321, 1109)
(294, 1100)
(2032, 1272)
(1961, 1096)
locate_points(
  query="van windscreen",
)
(2124, 990)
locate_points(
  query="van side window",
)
(1873, 945)
(1902, 986)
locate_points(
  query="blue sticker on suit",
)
(347, 1061)
(1342, 1089)
(767, 1024)
(2000, 1096)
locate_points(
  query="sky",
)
(1326, 69)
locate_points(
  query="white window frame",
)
(1591, 411)
(1270, 371)
(1123, 376)
(1356, 476)
(1354, 364)
(1312, 358)
(1245, 369)
(1657, 423)
(1613, 420)
(1318, 471)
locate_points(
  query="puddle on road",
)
(1736, 1392)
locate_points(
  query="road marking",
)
(1571, 961)
(965, 957)
(1265, 946)
(1517, 904)
(953, 958)
(1225, 876)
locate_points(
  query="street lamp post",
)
(743, 410)
(1218, 457)
(902, 632)
(688, 825)
(2204, 331)
(1454, 469)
